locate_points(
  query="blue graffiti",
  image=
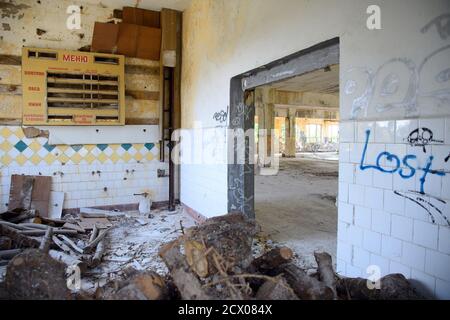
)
(406, 173)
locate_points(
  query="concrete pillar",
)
(268, 99)
(289, 148)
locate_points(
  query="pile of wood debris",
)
(213, 260)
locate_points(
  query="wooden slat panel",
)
(81, 81)
(78, 100)
(82, 112)
(142, 109)
(64, 90)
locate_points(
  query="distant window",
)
(313, 133)
(333, 133)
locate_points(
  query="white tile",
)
(423, 282)
(342, 231)
(355, 235)
(347, 131)
(354, 272)
(345, 212)
(444, 239)
(383, 180)
(437, 126)
(343, 192)
(356, 194)
(442, 289)
(393, 203)
(364, 177)
(437, 264)
(344, 152)
(362, 217)
(440, 154)
(413, 256)
(396, 267)
(445, 193)
(402, 184)
(341, 267)
(391, 248)
(426, 234)
(372, 241)
(372, 153)
(346, 172)
(344, 251)
(447, 131)
(403, 129)
(402, 227)
(381, 263)
(355, 152)
(385, 132)
(373, 198)
(415, 211)
(361, 258)
(381, 222)
(432, 184)
(361, 128)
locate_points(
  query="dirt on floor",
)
(297, 207)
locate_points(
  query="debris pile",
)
(213, 260)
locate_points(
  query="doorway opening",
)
(296, 206)
(298, 96)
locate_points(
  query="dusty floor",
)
(297, 207)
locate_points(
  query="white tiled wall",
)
(378, 227)
(84, 185)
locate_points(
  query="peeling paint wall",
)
(394, 87)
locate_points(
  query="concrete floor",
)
(297, 207)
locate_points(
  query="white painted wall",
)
(226, 38)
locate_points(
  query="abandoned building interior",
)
(224, 149)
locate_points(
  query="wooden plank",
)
(141, 109)
(11, 89)
(142, 95)
(10, 59)
(142, 82)
(55, 204)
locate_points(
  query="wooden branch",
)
(99, 238)
(68, 260)
(13, 225)
(71, 244)
(47, 240)
(98, 255)
(185, 280)
(94, 233)
(326, 271)
(9, 254)
(61, 244)
(306, 287)
(18, 239)
(38, 233)
(272, 260)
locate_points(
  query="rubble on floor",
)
(165, 256)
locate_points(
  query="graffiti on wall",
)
(422, 137)
(401, 83)
(220, 116)
(407, 167)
